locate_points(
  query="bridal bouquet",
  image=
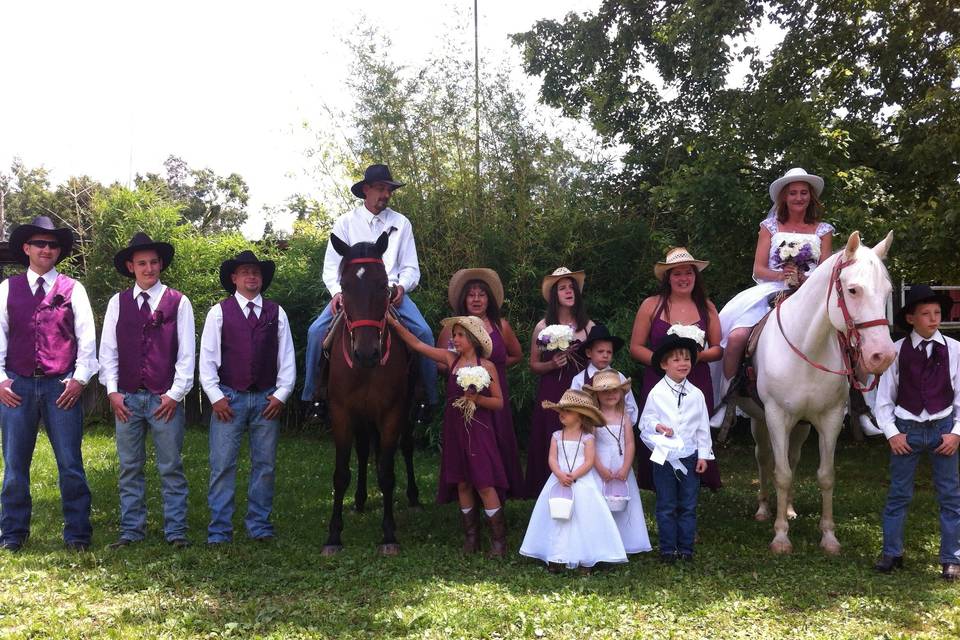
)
(689, 331)
(555, 337)
(474, 379)
(799, 254)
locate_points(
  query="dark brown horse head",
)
(366, 293)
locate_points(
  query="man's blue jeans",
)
(923, 437)
(131, 439)
(225, 437)
(65, 432)
(677, 505)
(411, 318)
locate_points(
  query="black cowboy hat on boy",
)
(267, 268)
(375, 173)
(918, 294)
(678, 337)
(142, 242)
(41, 224)
(600, 332)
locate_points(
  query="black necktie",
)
(251, 316)
(40, 294)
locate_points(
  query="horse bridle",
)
(851, 348)
(380, 325)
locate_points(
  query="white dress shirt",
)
(688, 418)
(359, 225)
(86, 365)
(210, 351)
(629, 401)
(887, 409)
(186, 342)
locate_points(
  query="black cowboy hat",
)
(671, 342)
(40, 224)
(142, 242)
(918, 294)
(600, 332)
(267, 268)
(375, 173)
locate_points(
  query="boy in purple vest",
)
(918, 408)
(49, 351)
(147, 352)
(247, 370)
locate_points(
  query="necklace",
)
(618, 436)
(575, 454)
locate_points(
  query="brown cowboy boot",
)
(498, 534)
(471, 524)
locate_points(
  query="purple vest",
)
(41, 336)
(924, 382)
(248, 355)
(147, 349)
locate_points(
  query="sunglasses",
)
(44, 244)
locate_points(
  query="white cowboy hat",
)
(578, 401)
(463, 276)
(474, 326)
(607, 381)
(676, 257)
(559, 274)
(795, 175)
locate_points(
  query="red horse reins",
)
(851, 349)
(380, 325)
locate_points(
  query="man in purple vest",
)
(48, 347)
(147, 352)
(918, 408)
(247, 370)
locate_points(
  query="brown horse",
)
(370, 389)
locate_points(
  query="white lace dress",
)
(590, 535)
(610, 441)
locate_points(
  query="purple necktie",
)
(923, 349)
(144, 306)
(40, 294)
(251, 316)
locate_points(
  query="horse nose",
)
(880, 360)
(367, 360)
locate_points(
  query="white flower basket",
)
(561, 502)
(615, 493)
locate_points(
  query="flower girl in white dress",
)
(614, 457)
(589, 535)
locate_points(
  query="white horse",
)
(793, 389)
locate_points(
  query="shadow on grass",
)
(286, 588)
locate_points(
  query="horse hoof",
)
(389, 550)
(331, 549)
(791, 514)
(781, 548)
(830, 547)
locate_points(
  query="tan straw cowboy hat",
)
(606, 381)
(474, 326)
(676, 257)
(578, 401)
(795, 175)
(463, 276)
(559, 274)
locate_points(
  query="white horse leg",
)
(764, 456)
(828, 431)
(779, 428)
(797, 437)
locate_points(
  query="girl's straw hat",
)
(474, 326)
(463, 276)
(578, 401)
(795, 175)
(559, 274)
(676, 257)
(606, 381)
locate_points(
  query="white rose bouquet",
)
(689, 331)
(474, 379)
(555, 337)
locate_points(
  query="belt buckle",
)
(38, 373)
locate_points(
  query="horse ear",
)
(339, 245)
(382, 241)
(852, 245)
(882, 248)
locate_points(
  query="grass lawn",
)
(285, 589)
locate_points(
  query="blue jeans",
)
(247, 407)
(411, 318)
(65, 432)
(131, 439)
(677, 505)
(923, 437)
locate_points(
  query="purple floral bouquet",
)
(799, 254)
